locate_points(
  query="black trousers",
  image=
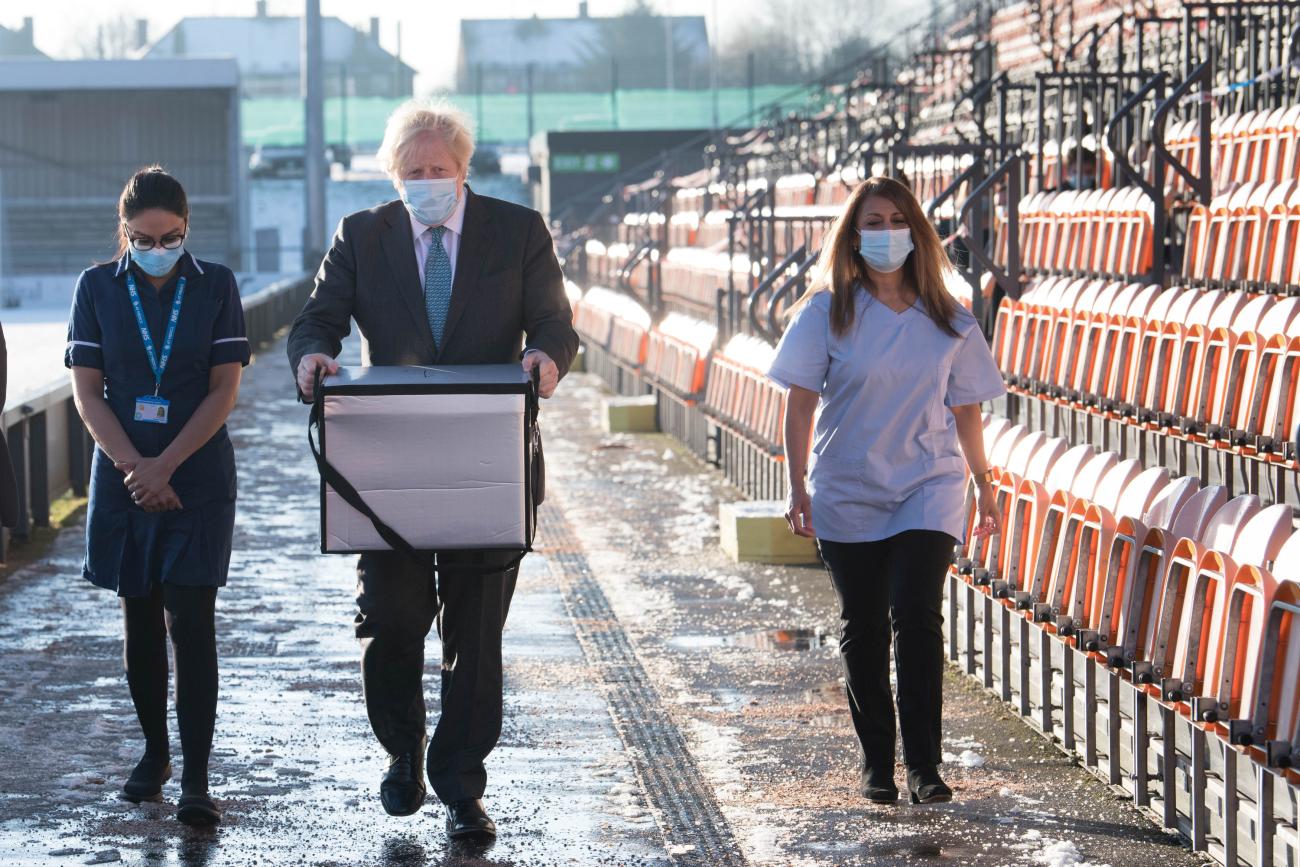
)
(893, 587)
(397, 606)
(187, 614)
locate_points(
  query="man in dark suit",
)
(441, 276)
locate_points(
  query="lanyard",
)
(158, 364)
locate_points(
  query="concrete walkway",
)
(653, 716)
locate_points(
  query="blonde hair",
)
(841, 268)
(414, 117)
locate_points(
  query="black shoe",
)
(402, 790)
(926, 786)
(878, 785)
(146, 781)
(467, 820)
(197, 809)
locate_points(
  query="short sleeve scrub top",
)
(885, 456)
(127, 548)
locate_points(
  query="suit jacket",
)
(8, 484)
(507, 285)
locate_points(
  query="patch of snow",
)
(1050, 852)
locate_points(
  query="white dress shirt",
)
(450, 238)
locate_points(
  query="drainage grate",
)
(239, 648)
(100, 647)
(85, 647)
(693, 826)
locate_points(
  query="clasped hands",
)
(149, 481)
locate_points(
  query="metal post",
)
(38, 460)
(478, 97)
(343, 105)
(528, 71)
(749, 86)
(78, 450)
(613, 92)
(713, 66)
(313, 138)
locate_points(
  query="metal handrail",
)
(1154, 188)
(639, 255)
(951, 190)
(1112, 135)
(804, 267)
(1009, 279)
(751, 305)
(1202, 185)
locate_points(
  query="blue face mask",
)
(430, 201)
(157, 262)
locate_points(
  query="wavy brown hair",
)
(841, 267)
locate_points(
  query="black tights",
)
(187, 614)
(893, 587)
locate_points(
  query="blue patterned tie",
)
(437, 284)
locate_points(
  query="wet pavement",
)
(663, 704)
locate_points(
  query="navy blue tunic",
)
(127, 548)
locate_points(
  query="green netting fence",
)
(503, 117)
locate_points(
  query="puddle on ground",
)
(831, 692)
(767, 639)
(908, 851)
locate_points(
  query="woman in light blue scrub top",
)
(894, 370)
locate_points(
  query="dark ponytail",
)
(151, 187)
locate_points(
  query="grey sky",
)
(429, 31)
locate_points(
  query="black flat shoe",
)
(402, 789)
(198, 810)
(146, 781)
(467, 820)
(878, 785)
(926, 786)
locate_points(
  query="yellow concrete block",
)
(630, 414)
(756, 532)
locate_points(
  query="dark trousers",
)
(893, 587)
(187, 614)
(397, 606)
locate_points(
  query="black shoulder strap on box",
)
(391, 537)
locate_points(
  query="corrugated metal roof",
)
(556, 42)
(265, 45)
(24, 75)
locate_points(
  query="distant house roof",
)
(266, 45)
(556, 42)
(72, 75)
(18, 43)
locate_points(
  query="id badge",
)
(151, 409)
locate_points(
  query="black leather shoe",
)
(878, 785)
(402, 790)
(926, 786)
(146, 781)
(467, 820)
(197, 809)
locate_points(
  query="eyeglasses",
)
(168, 242)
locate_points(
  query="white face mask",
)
(430, 201)
(885, 249)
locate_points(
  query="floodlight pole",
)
(313, 242)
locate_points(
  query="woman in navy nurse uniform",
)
(156, 344)
(894, 372)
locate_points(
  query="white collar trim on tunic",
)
(454, 223)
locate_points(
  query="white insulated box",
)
(439, 454)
